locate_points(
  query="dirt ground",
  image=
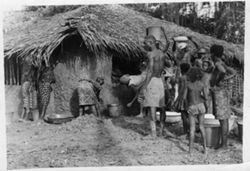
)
(88, 141)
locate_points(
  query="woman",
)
(89, 95)
(46, 78)
(219, 93)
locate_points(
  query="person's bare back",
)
(195, 93)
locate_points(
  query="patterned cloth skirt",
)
(44, 90)
(220, 99)
(86, 93)
(27, 94)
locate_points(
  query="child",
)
(28, 87)
(196, 96)
(180, 103)
(207, 68)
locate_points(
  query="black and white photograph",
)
(124, 84)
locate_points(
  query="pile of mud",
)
(102, 126)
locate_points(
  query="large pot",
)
(114, 110)
(58, 118)
(173, 117)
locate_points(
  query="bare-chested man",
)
(153, 89)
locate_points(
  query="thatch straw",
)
(102, 28)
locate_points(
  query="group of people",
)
(200, 87)
(40, 80)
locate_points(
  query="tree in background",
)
(223, 20)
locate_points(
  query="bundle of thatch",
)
(112, 28)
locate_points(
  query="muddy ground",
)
(88, 141)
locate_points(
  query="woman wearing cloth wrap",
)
(28, 87)
(219, 92)
(153, 89)
(89, 95)
(45, 79)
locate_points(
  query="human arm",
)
(231, 72)
(167, 62)
(195, 44)
(149, 71)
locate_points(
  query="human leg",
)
(95, 110)
(153, 121)
(224, 132)
(184, 117)
(23, 113)
(192, 132)
(81, 110)
(162, 120)
(202, 130)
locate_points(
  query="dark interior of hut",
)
(69, 44)
(124, 65)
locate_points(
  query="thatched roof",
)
(102, 27)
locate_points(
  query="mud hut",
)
(91, 41)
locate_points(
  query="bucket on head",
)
(113, 110)
(240, 128)
(212, 131)
(159, 34)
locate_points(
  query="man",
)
(153, 89)
(219, 92)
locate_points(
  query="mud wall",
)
(79, 64)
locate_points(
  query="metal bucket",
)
(212, 131)
(113, 110)
(240, 128)
(173, 117)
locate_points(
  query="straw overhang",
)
(102, 28)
